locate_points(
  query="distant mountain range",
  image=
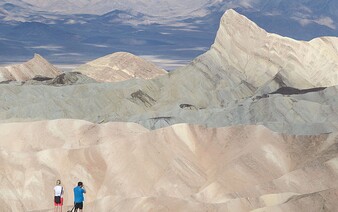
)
(170, 33)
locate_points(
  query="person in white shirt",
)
(58, 196)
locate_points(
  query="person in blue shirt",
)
(79, 190)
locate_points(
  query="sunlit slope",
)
(183, 167)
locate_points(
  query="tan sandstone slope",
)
(250, 57)
(180, 168)
(120, 66)
(248, 48)
(22, 72)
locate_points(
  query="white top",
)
(58, 190)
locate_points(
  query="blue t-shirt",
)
(78, 194)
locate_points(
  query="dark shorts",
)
(58, 204)
(79, 205)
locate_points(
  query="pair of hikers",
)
(79, 190)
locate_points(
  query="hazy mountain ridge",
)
(172, 8)
(178, 38)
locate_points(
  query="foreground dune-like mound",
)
(28, 70)
(120, 66)
(180, 168)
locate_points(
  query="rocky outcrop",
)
(118, 67)
(309, 113)
(28, 70)
(258, 55)
(244, 59)
(68, 78)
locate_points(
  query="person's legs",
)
(55, 207)
(61, 204)
(81, 207)
(78, 206)
(58, 206)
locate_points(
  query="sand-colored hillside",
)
(259, 56)
(38, 66)
(120, 66)
(180, 168)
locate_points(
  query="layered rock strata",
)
(28, 70)
(120, 66)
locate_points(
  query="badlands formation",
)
(120, 66)
(34, 67)
(251, 125)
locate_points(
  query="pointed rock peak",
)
(38, 57)
(39, 62)
(28, 70)
(237, 27)
(231, 18)
(256, 56)
(231, 14)
(120, 66)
